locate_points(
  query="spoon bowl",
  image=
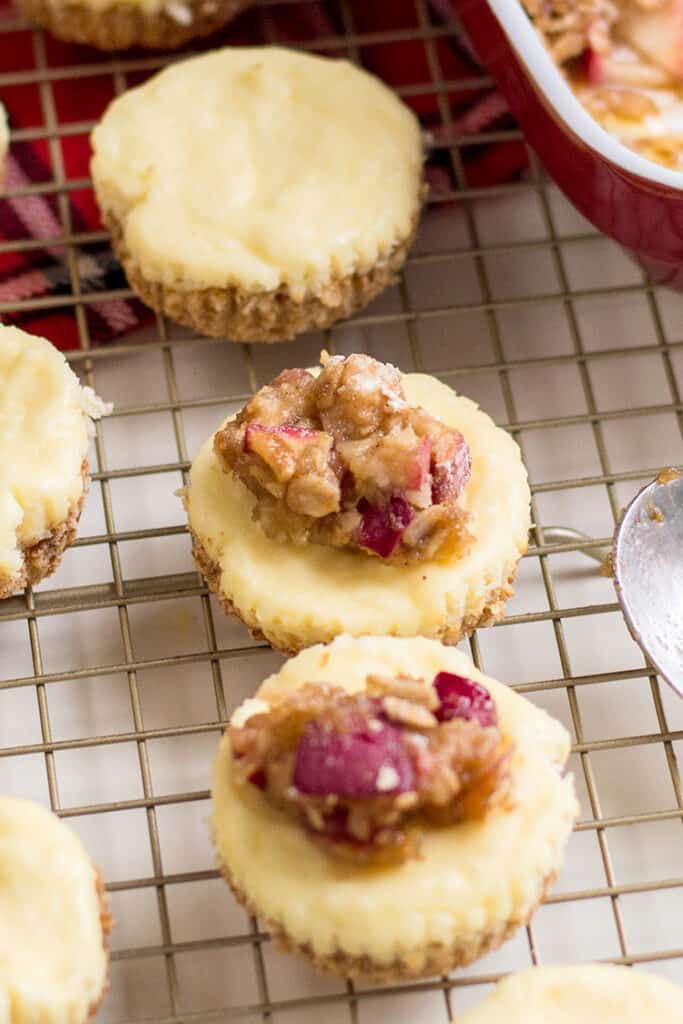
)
(648, 573)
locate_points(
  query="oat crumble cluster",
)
(365, 773)
(342, 459)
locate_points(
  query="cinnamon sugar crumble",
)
(413, 690)
(667, 476)
(404, 712)
(342, 459)
(607, 567)
(366, 774)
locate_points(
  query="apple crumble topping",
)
(342, 459)
(365, 773)
(624, 61)
(570, 27)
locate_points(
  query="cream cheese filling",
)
(589, 993)
(311, 593)
(53, 964)
(258, 167)
(44, 435)
(470, 878)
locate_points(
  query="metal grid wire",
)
(126, 593)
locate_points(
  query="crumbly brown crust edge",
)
(439, 959)
(124, 25)
(453, 633)
(41, 559)
(106, 924)
(266, 316)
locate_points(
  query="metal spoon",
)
(647, 562)
(648, 573)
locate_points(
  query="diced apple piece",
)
(595, 67)
(256, 434)
(419, 488)
(463, 698)
(382, 526)
(451, 470)
(398, 463)
(656, 34)
(259, 778)
(280, 447)
(421, 467)
(355, 764)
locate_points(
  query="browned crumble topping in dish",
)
(662, 149)
(342, 459)
(624, 61)
(622, 103)
(570, 27)
(365, 773)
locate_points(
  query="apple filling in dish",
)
(341, 458)
(365, 773)
(624, 61)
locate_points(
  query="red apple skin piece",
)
(422, 464)
(450, 477)
(290, 435)
(382, 526)
(657, 35)
(348, 764)
(595, 67)
(463, 698)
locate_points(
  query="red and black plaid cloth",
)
(42, 272)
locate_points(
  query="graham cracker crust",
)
(439, 959)
(124, 25)
(266, 316)
(106, 923)
(41, 559)
(451, 634)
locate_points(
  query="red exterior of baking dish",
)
(644, 215)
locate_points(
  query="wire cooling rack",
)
(117, 675)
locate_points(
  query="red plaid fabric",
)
(383, 31)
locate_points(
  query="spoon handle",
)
(557, 534)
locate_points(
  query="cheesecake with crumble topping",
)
(45, 426)
(387, 810)
(357, 499)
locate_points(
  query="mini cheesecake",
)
(589, 993)
(45, 425)
(359, 500)
(253, 193)
(417, 809)
(54, 922)
(121, 24)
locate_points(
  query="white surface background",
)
(185, 948)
